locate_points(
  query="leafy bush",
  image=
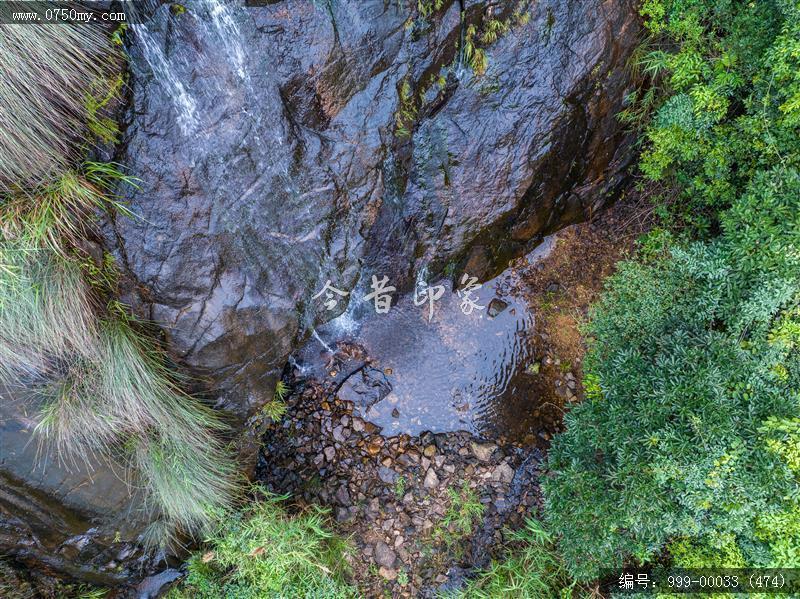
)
(729, 73)
(263, 552)
(689, 439)
(692, 434)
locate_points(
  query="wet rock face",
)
(64, 516)
(283, 146)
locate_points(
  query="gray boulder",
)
(282, 146)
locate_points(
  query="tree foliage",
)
(729, 76)
(689, 440)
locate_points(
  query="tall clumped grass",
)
(61, 213)
(103, 391)
(47, 71)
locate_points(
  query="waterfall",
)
(228, 32)
(220, 23)
(185, 105)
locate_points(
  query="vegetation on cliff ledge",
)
(98, 386)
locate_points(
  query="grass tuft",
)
(61, 213)
(46, 72)
(463, 513)
(103, 393)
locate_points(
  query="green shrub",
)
(263, 552)
(692, 433)
(728, 74)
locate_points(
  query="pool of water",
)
(448, 369)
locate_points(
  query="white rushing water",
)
(228, 33)
(184, 103)
(327, 347)
(217, 19)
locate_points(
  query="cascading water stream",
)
(218, 23)
(228, 33)
(184, 103)
(218, 26)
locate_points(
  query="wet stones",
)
(503, 473)
(482, 451)
(390, 494)
(374, 446)
(496, 306)
(340, 433)
(387, 475)
(343, 496)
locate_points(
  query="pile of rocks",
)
(392, 495)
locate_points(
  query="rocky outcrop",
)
(282, 146)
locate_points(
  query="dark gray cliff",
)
(283, 146)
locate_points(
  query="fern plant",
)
(261, 551)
